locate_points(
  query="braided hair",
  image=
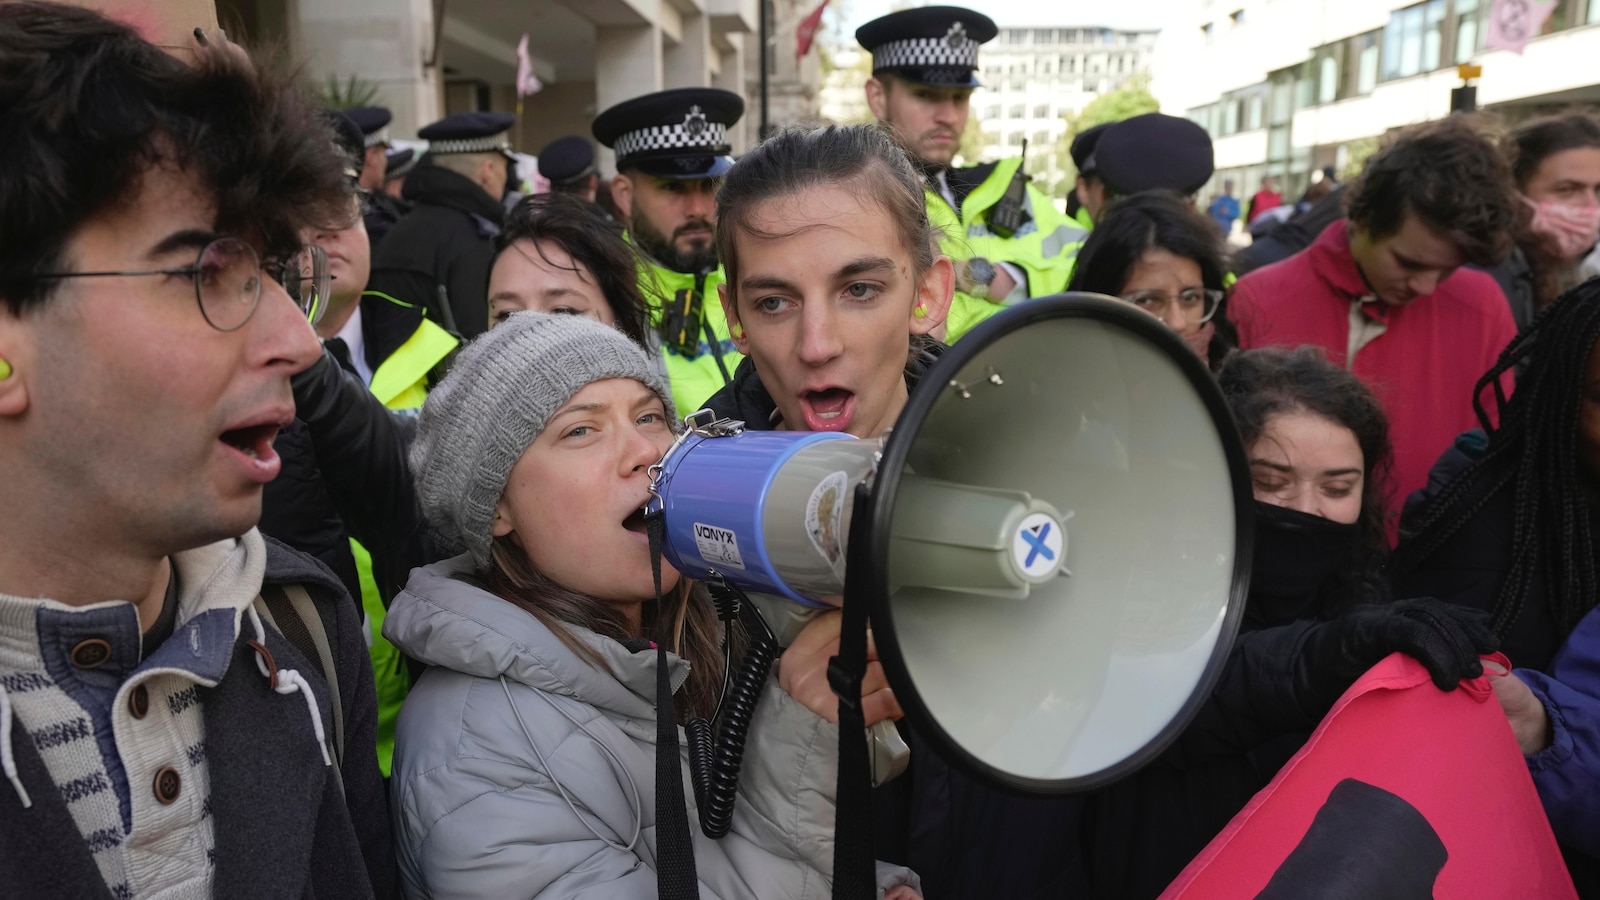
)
(1534, 454)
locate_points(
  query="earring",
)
(5, 370)
(920, 310)
(738, 331)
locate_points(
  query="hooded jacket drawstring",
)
(284, 681)
(7, 760)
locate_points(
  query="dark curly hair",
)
(580, 228)
(1261, 384)
(1452, 177)
(87, 107)
(1533, 454)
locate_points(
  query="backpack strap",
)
(290, 610)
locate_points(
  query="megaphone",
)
(1057, 532)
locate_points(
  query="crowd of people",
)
(323, 564)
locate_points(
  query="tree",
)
(1131, 98)
(335, 94)
(973, 139)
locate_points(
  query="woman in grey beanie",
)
(526, 755)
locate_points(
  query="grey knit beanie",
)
(500, 391)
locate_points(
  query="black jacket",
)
(446, 240)
(383, 214)
(1469, 569)
(1515, 277)
(286, 825)
(345, 475)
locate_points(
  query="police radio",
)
(1011, 213)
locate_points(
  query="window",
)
(1412, 41)
(1230, 116)
(1017, 36)
(1014, 139)
(1365, 48)
(1066, 35)
(1042, 111)
(992, 111)
(1040, 139)
(1281, 104)
(1017, 111)
(1470, 31)
(1254, 110)
(1043, 36)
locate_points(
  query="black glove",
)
(1446, 638)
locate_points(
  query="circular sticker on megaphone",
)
(1038, 546)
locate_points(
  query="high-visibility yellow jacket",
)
(694, 378)
(1043, 248)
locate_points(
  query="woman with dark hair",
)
(1508, 524)
(1156, 251)
(1318, 616)
(559, 254)
(1556, 164)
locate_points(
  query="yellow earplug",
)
(5, 370)
(738, 331)
(920, 310)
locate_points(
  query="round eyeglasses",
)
(227, 281)
(1197, 304)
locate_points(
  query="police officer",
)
(447, 240)
(1012, 240)
(1089, 191)
(568, 163)
(382, 211)
(1152, 152)
(399, 164)
(672, 151)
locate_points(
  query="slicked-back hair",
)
(1452, 177)
(1268, 382)
(1533, 454)
(87, 107)
(866, 158)
(581, 229)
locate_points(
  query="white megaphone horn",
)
(1058, 538)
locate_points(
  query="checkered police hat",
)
(681, 133)
(374, 122)
(934, 45)
(476, 132)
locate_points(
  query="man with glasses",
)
(160, 735)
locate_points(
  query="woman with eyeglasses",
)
(1156, 251)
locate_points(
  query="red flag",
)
(1403, 788)
(807, 32)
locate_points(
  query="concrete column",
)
(628, 62)
(731, 78)
(381, 41)
(688, 63)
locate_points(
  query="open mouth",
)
(254, 441)
(829, 409)
(635, 522)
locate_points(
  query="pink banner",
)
(1513, 23)
(1403, 791)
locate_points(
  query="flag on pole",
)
(807, 31)
(527, 82)
(1512, 23)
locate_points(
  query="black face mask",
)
(1295, 553)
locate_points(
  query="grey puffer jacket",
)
(481, 812)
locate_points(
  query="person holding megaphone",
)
(527, 755)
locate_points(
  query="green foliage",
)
(1359, 150)
(1131, 98)
(353, 92)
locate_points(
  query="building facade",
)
(1288, 87)
(430, 58)
(794, 82)
(1034, 77)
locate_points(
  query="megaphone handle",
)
(888, 751)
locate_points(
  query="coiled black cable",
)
(714, 762)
